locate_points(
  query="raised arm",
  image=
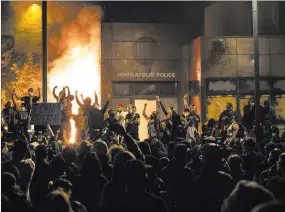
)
(50, 130)
(54, 94)
(82, 98)
(14, 102)
(16, 96)
(68, 91)
(77, 100)
(96, 98)
(144, 112)
(131, 144)
(235, 130)
(104, 109)
(162, 106)
(39, 90)
(185, 101)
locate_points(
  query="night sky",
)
(144, 12)
(162, 12)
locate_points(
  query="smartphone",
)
(220, 141)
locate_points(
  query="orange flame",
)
(79, 66)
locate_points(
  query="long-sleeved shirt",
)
(98, 117)
(175, 120)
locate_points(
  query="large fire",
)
(79, 65)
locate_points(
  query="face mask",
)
(30, 93)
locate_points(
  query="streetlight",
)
(256, 68)
(44, 49)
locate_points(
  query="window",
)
(279, 108)
(217, 104)
(221, 86)
(168, 89)
(243, 101)
(121, 89)
(264, 85)
(246, 86)
(279, 86)
(141, 89)
(164, 89)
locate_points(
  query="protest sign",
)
(46, 114)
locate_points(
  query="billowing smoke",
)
(78, 65)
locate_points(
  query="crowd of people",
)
(178, 168)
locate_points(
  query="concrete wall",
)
(145, 49)
(235, 18)
(233, 56)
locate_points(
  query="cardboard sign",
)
(46, 114)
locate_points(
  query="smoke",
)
(78, 50)
(77, 63)
(79, 31)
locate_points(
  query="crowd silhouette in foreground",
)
(179, 168)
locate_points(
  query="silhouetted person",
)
(268, 114)
(83, 148)
(137, 199)
(25, 166)
(9, 117)
(41, 177)
(249, 115)
(272, 162)
(72, 170)
(213, 186)
(132, 122)
(157, 148)
(30, 99)
(114, 191)
(101, 150)
(58, 167)
(18, 200)
(276, 206)
(245, 196)
(172, 119)
(251, 159)
(90, 182)
(225, 116)
(179, 181)
(236, 170)
(281, 164)
(56, 201)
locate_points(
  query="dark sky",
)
(162, 12)
(151, 11)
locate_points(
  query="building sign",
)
(146, 75)
(46, 114)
